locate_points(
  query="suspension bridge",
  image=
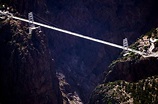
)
(31, 21)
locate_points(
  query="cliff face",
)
(82, 61)
(134, 67)
(27, 73)
(132, 70)
(133, 82)
(143, 92)
(130, 79)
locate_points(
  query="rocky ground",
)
(70, 96)
(131, 79)
(82, 62)
(144, 91)
(27, 73)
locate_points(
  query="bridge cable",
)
(9, 15)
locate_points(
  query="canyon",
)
(79, 64)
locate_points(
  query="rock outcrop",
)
(133, 70)
(121, 92)
(133, 67)
(130, 79)
(27, 73)
(82, 61)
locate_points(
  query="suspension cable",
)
(9, 15)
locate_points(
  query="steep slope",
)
(121, 92)
(137, 77)
(132, 70)
(82, 61)
(27, 73)
(133, 67)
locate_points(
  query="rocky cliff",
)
(27, 73)
(82, 61)
(130, 79)
(121, 92)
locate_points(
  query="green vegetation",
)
(143, 92)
